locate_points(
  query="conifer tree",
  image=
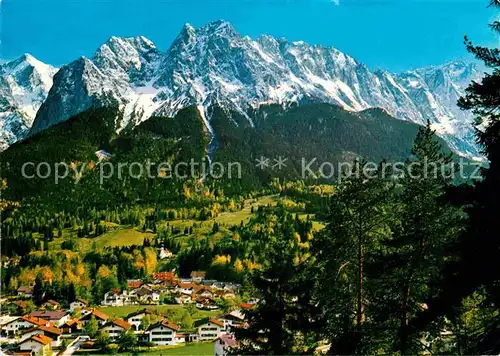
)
(478, 247)
(360, 216)
(412, 256)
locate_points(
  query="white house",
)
(206, 303)
(116, 299)
(17, 325)
(163, 333)
(78, 304)
(99, 316)
(25, 291)
(223, 344)
(232, 320)
(182, 298)
(180, 338)
(164, 253)
(145, 295)
(116, 327)
(209, 328)
(186, 288)
(198, 276)
(37, 345)
(135, 318)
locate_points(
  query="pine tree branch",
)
(494, 3)
(495, 25)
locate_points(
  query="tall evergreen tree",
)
(360, 216)
(411, 258)
(286, 319)
(479, 247)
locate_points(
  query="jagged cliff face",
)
(216, 65)
(24, 85)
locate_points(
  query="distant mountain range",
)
(215, 66)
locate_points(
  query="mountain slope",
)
(320, 132)
(24, 86)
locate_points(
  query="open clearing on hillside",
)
(127, 236)
(235, 218)
(175, 310)
(198, 348)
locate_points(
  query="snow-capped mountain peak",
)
(214, 64)
(24, 85)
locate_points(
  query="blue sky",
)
(390, 34)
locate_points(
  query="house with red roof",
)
(116, 327)
(56, 317)
(198, 276)
(209, 328)
(37, 345)
(163, 333)
(223, 344)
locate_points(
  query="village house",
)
(56, 317)
(116, 327)
(180, 338)
(99, 316)
(78, 304)
(203, 291)
(51, 305)
(115, 298)
(221, 293)
(182, 298)
(206, 303)
(17, 325)
(37, 345)
(167, 278)
(25, 334)
(134, 283)
(209, 328)
(232, 319)
(198, 276)
(187, 288)
(163, 333)
(52, 332)
(145, 295)
(135, 318)
(25, 291)
(20, 307)
(164, 253)
(72, 326)
(223, 344)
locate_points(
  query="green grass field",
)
(175, 310)
(235, 218)
(200, 348)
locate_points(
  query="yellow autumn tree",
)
(150, 260)
(104, 272)
(221, 260)
(238, 265)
